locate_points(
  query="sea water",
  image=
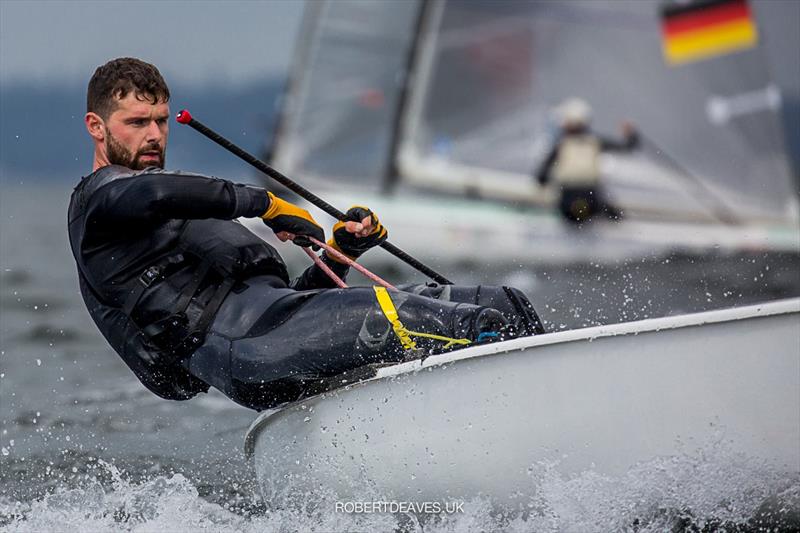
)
(84, 446)
(717, 491)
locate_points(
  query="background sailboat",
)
(442, 110)
(435, 113)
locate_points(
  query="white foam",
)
(713, 487)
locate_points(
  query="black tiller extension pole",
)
(184, 117)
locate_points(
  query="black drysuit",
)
(190, 298)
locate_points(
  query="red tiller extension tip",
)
(184, 117)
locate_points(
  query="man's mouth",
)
(151, 155)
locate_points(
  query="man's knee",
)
(511, 302)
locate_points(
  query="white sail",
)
(344, 90)
(490, 77)
(482, 79)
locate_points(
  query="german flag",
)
(706, 28)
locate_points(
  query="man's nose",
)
(154, 133)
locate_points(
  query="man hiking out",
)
(189, 298)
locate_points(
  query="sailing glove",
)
(357, 233)
(286, 218)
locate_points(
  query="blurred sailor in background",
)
(573, 163)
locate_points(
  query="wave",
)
(715, 490)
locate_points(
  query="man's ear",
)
(95, 126)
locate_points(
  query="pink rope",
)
(325, 268)
(344, 259)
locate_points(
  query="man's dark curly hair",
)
(114, 80)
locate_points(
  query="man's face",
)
(136, 133)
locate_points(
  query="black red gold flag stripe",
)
(706, 28)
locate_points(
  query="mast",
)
(302, 51)
(392, 173)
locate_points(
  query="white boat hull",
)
(474, 422)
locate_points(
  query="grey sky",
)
(190, 41)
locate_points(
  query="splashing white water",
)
(715, 488)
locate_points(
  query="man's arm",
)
(156, 195)
(542, 175)
(630, 140)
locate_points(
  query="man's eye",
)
(139, 122)
(161, 121)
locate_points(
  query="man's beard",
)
(119, 155)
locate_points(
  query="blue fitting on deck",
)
(487, 335)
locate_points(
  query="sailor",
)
(574, 163)
(189, 298)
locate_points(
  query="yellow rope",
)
(390, 312)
